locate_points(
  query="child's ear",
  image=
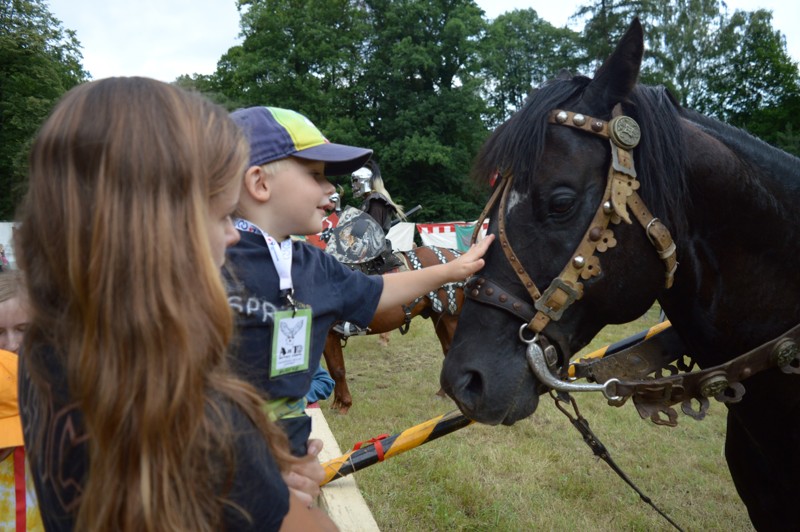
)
(256, 183)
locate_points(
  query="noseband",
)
(619, 196)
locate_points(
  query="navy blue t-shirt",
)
(333, 291)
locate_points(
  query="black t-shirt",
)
(57, 448)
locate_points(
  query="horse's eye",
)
(561, 203)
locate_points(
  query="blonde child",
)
(18, 507)
(13, 315)
(288, 294)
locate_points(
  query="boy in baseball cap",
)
(287, 294)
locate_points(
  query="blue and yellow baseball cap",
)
(276, 133)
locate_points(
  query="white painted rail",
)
(341, 498)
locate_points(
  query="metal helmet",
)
(361, 181)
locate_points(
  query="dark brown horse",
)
(579, 169)
(442, 307)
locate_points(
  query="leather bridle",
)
(619, 196)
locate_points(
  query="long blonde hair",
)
(122, 284)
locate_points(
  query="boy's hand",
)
(304, 477)
(401, 287)
(471, 261)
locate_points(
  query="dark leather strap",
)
(489, 293)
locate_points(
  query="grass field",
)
(537, 474)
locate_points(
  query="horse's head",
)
(571, 253)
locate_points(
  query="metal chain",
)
(597, 447)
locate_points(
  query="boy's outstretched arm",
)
(403, 287)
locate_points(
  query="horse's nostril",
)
(473, 383)
(470, 389)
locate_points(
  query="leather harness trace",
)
(653, 396)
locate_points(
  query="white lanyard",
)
(281, 254)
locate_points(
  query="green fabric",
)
(285, 408)
(464, 236)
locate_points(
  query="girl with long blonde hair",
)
(132, 418)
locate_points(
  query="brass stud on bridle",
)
(624, 132)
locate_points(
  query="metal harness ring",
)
(538, 364)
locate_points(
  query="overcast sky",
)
(163, 39)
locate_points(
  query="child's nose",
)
(328, 188)
(14, 341)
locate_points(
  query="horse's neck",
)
(737, 284)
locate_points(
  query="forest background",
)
(423, 82)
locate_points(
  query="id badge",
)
(291, 342)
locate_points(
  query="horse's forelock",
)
(518, 143)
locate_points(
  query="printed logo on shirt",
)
(259, 308)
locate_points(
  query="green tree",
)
(305, 55)
(606, 22)
(295, 53)
(788, 139)
(399, 77)
(209, 87)
(39, 61)
(424, 103)
(520, 51)
(753, 83)
(681, 37)
(735, 68)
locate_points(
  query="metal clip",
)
(288, 295)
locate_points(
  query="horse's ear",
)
(564, 74)
(615, 79)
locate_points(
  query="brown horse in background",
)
(442, 307)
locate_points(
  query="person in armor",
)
(367, 183)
